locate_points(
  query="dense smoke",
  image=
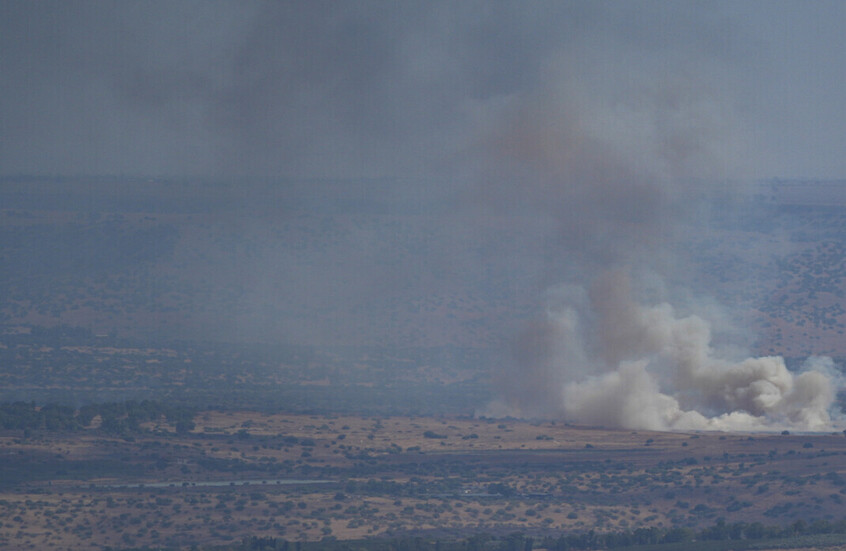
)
(626, 172)
(609, 361)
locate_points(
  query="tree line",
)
(116, 417)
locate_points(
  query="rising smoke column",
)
(653, 369)
(600, 358)
(623, 161)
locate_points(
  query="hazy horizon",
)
(373, 90)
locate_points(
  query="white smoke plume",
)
(623, 162)
(610, 361)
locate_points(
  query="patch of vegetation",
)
(116, 417)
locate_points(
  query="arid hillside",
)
(330, 265)
(308, 477)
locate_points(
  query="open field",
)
(306, 477)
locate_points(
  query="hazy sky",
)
(349, 89)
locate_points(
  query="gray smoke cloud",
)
(603, 129)
(624, 171)
(611, 361)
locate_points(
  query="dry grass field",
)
(308, 477)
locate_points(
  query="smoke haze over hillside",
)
(603, 130)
